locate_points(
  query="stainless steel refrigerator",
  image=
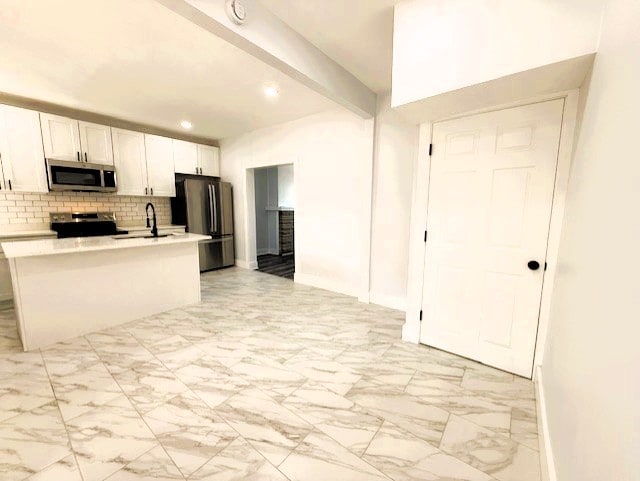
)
(205, 206)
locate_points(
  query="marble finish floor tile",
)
(238, 462)
(263, 380)
(189, 431)
(404, 457)
(107, 438)
(270, 427)
(490, 452)
(154, 465)
(32, 441)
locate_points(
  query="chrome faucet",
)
(154, 229)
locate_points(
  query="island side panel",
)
(17, 306)
(67, 295)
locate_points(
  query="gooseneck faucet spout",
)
(154, 229)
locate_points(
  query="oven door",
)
(75, 176)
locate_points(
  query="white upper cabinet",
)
(185, 157)
(209, 160)
(95, 142)
(61, 137)
(73, 140)
(130, 162)
(21, 151)
(160, 169)
(190, 158)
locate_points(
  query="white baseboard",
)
(547, 464)
(327, 284)
(392, 302)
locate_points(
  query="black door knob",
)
(533, 265)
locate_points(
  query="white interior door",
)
(490, 196)
(95, 140)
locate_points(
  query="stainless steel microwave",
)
(78, 176)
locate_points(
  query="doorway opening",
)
(275, 220)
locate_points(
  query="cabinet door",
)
(95, 141)
(185, 157)
(61, 137)
(21, 150)
(160, 173)
(209, 160)
(130, 162)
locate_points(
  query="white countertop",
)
(45, 247)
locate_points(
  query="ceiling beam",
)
(272, 41)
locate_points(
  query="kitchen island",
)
(63, 288)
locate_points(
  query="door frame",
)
(251, 251)
(419, 211)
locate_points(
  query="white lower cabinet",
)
(130, 161)
(21, 151)
(161, 177)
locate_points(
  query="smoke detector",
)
(236, 11)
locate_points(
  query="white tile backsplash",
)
(22, 208)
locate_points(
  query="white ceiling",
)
(358, 34)
(137, 60)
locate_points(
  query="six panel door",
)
(490, 196)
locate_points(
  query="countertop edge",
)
(15, 247)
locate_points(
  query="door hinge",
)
(430, 149)
(425, 236)
(421, 314)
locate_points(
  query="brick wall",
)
(17, 209)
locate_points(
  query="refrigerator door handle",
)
(209, 192)
(214, 212)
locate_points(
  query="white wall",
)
(286, 194)
(444, 45)
(590, 371)
(395, 151)
(332, 155)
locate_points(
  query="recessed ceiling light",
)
(185, 124)
(271, 91)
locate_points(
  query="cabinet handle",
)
(85, 157)
(146, 190)
(151, 190)
(10, 188)
(78, 154)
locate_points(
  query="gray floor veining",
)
(264, 380)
